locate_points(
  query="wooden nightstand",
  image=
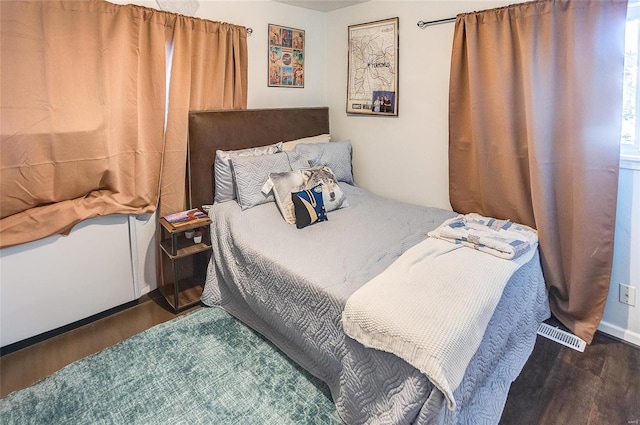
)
(184, 262)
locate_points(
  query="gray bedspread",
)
(292, 285)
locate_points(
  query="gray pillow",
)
(250, 174)
(224, 185)
(297, 160)
(335, 155)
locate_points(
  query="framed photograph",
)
(372, 77)
(286, 57)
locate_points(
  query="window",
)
(630, 143)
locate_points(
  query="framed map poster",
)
(286, 57)
(372, 77)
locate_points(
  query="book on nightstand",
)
(184, 218)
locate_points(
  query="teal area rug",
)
(202, 368)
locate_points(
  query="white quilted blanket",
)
(431, 308)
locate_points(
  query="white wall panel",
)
(58, 280)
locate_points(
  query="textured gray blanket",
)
(292, 285)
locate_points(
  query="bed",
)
(292, 285)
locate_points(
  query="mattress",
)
(292, 284)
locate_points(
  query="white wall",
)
(405, 157)
(258, 15)
(621, 320)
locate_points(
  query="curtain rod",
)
(249, 31)
(422, 24)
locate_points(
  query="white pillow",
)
(224, 181)
(282, 184)
(322, 138)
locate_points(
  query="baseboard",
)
(620, 333)
(11, 348)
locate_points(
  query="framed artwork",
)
(372, 77)
(286, 57)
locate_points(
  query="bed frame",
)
(360, 397)
(239, 129)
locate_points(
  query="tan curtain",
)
(83, 108)
(82, 112)
(209, 71)
(535, 122)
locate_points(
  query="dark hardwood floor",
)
(561, 386)
(21, 368)
(558, 386)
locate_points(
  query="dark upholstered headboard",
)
(239, 129)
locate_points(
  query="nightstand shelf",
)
(185, 247)
(186, 297)
(184, 262)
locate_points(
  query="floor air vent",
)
(561, 337)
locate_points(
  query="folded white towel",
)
(501, 238)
